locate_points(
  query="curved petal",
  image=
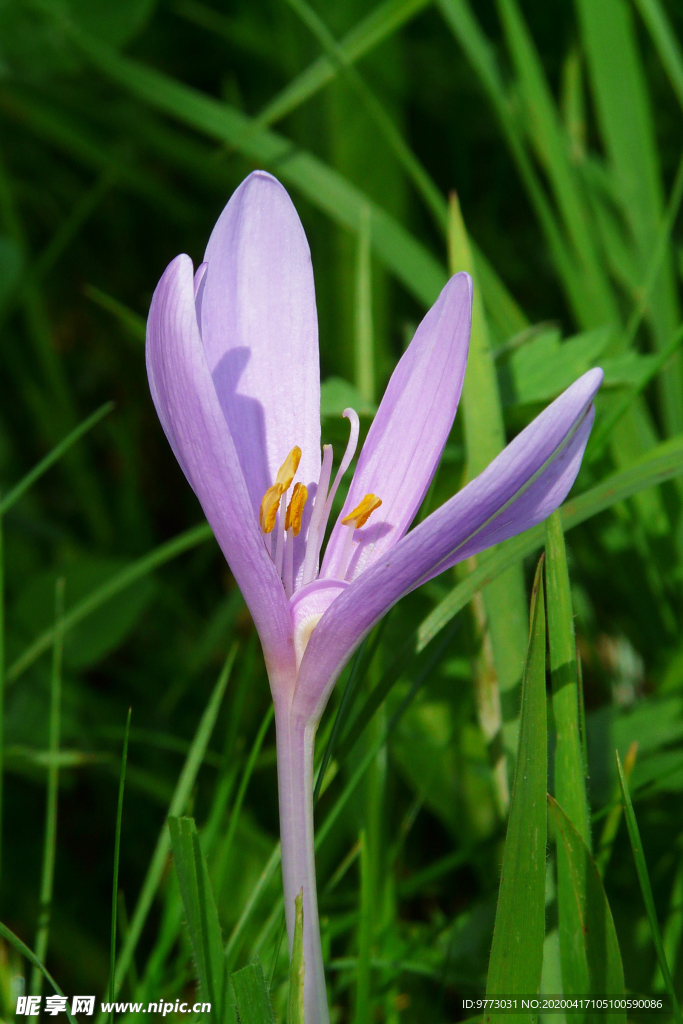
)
(188, 407)
(405, 441)
(260, 331)
(523, 485)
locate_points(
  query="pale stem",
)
(295, 743)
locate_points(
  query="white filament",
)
(311, 560)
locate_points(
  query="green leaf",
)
(543, 367)
(201, 914)
(251, 995)
(646, 889)
(591, 960)
(570, 785)
(517, 950)
(295, 1011)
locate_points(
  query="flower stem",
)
(295, 743)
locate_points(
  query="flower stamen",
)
(355, 520)
(270, 503)
(293, 522)
(295, 509)
(287, 470)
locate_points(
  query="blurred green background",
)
(125, 127)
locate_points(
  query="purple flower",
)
(232, 358)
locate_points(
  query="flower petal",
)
(412, 424)
(523, 485)
(190, 413)
(260, 331)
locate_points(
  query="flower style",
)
(233, 364)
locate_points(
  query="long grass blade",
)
(239, 798)
(327, 190)
(120, 581)
(500, 610)
(625, 119)
(664, 38)
(50, 840)
(378, 25)
(517, 949)
(591, 959)
(201, 914)
(29, 955)
(117, 853)
(297, 967)
(570, 782)
(177, 806)
(52, 457)
(646, 889)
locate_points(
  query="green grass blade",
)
(135, 324)
(366, 912)
(591, 960)
(117, 852)
(377, 26)
(646, 889)
(341, 718)
(570, 783)
(517, 950)
(29, 955)
(673, 929)
(614, 816)
(503, 616)
(72, 224)
(53, 456)
(625, 119)
(413, 265)
(479, 51)
(297, 967)
(235, 939)
(50, 841)
(2, 682)
(598, 303)
(251, 995)
(364, 335)
(120, 581)
(239, 798)
(178, 804)
(667, 45)
(412, 167)
(201, 914)
(69, 136)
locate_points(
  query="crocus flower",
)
(233, 364)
